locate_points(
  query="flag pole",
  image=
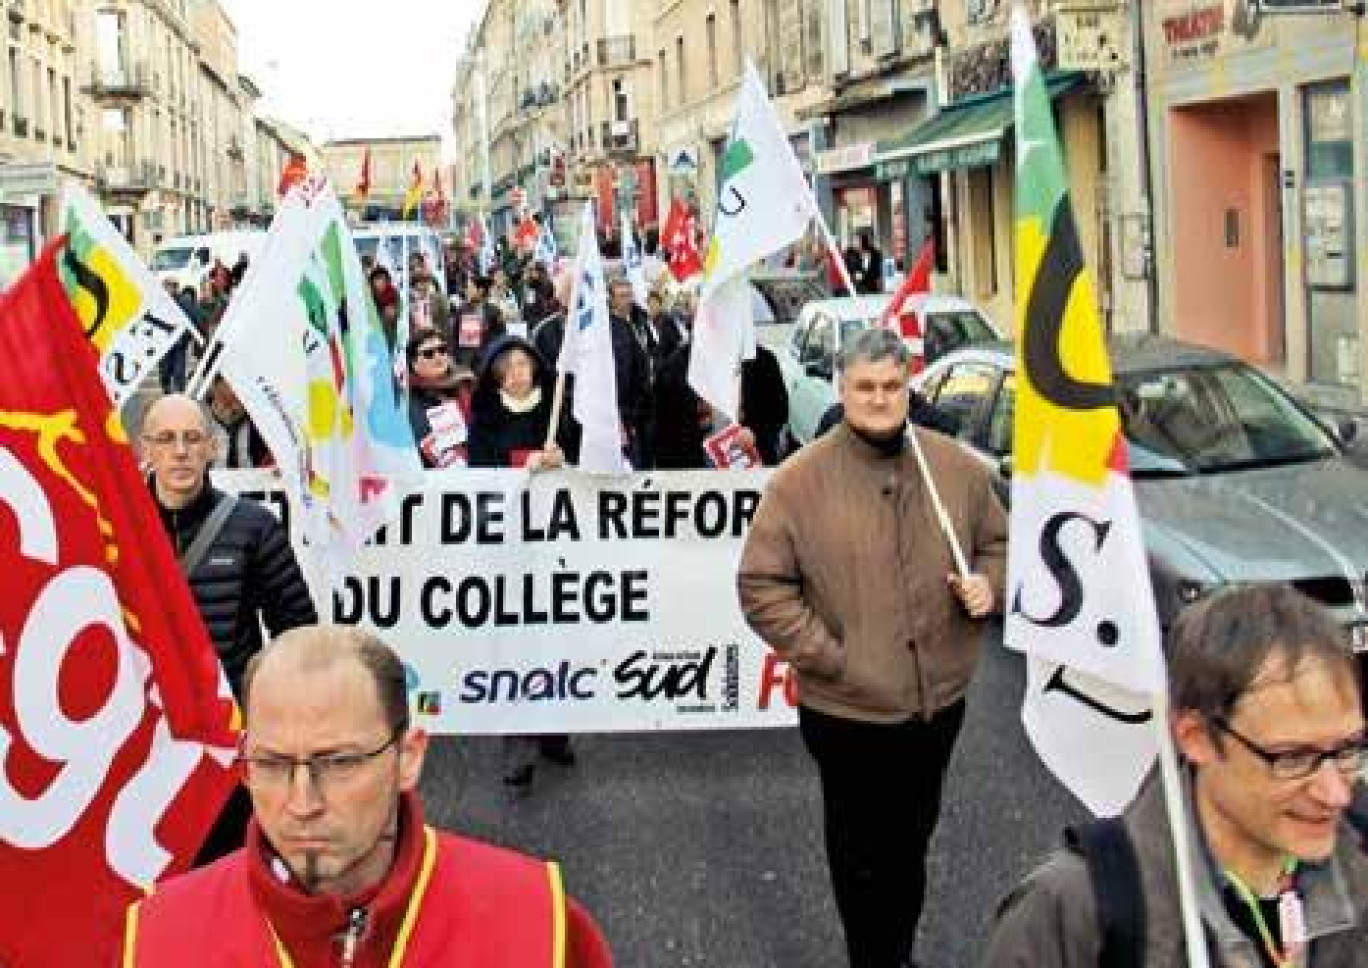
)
(1178, 825)
(557, 401)
(942, 517)
(835, 253)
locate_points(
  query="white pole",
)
(1182, 836)
(942, 517)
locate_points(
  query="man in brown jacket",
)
(1267, 716)
(847, 574)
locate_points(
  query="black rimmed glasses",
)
(269, 772)
(434, 351)
(1300, 762)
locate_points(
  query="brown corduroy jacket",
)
(845, 571)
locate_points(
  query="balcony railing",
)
(614, 51)
(129, 82)
(140, 177)
(617, 136)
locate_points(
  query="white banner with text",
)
(563, 602)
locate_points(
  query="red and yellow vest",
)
(472, 905)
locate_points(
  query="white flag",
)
(631, 261)
(545, 251)
(486, 256)
(1079, 599)
(125, 312)
(764, 204)
(303, 348)
(587, 353)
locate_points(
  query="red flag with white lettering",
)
(116, 737)
(680, 237)
(897, 315)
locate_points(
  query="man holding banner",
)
(845, 576)
(1267, 717)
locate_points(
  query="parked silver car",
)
(1236, 481)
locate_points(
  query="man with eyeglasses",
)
(1267, 717)
(235, 554)
(339, 867)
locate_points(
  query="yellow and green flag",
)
(1079, 599)
(125, 313)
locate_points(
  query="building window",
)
(40, 102)
(679, 69)
(621, 108)
(738, 42)
(983, 234)
(16, 82)
(55, 94)
(664, 79)
(711, 32)
(109, 49)
(66, 114)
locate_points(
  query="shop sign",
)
(26, 180)
(964, 156)
(1089, 39)
(845, 158)
(1197, 31)
(893, 170)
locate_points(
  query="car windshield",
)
(963, 325)
(1209, 419)
(167, 259)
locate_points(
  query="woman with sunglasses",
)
(439, 400)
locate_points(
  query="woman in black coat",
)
(509, 416)
(511, 409)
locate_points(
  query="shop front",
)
(1258, 125)
(956, 170)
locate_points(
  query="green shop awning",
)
(965, 135)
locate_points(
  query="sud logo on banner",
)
(125, 313)
(115, 721)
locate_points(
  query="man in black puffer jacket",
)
(237, 558)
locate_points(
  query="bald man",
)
(234, 553)
(339, 867)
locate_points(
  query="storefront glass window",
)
(1327, 204)
(17, 243)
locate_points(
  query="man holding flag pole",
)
(1231, 858)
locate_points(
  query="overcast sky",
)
(349, 70)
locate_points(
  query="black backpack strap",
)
(1114, 871)
(191, 557)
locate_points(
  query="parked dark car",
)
(1236, 481)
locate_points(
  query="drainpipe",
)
(1146, 164)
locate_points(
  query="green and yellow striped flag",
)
(1077, 579)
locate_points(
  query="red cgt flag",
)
(680, 237)
(115, 726)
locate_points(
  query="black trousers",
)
(881, 796)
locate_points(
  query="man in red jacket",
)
(339, 868)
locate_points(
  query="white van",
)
(188, 258)
(403, 238)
